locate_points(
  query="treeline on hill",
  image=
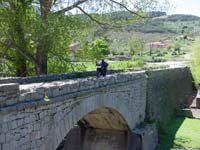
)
(122, 15)
(125, 15)
(153, 26)
(160, 22)
(181, 17)
(164, 24)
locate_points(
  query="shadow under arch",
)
(99, 114)
(82, 108)
(104, 118)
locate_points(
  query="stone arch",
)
(91, 104)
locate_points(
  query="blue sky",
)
(186, 7)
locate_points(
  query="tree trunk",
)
(21, 69)
(41, 57)
(42, 49)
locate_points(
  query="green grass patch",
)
(180, 134)
(112, 65)
(195, 64)
(126, 65)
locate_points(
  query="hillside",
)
(155, 29)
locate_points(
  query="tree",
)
(13, 34)
(98, 49)
(136, 44)
(177, 47)
(30, 37)
(28, 28)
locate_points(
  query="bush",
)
(196, 62)
(126, 65)
(121, 53)
(114, 53)
(158, 59)
(174, 53)
(98, 49)
(159, 54)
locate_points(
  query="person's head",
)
(102, 60)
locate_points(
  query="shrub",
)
(98, 49)
(136, 44)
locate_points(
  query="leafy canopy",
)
(98, 49)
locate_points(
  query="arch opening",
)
(101, 129)
(104, 118)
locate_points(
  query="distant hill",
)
(181, 17)
(124, 15)
(159, 26)
(121, 15)
(167, 24)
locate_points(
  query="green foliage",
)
(114, 65)
(136, 44)
(181, 17)
(126, 65)
(195, 64)
(180, 134)
(155, 26)
(26, 34)
(23, 34)
(98, 49)
(46, 97)
(177, 47)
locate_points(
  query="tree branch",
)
(126, 8)
(23, 53)
(70, 7)
(92, 18)
(103, 24)
(27, 56)
(6, 56)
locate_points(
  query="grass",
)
(126, 65)
(113, 65)
(195, 64)
(180, 134)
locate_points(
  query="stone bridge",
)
(88, 113)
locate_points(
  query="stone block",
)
(184, 113)
(198, 101)
(9, 87)
(2, 138)
(149, 136)
(9, 94)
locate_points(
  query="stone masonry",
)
(37, 116)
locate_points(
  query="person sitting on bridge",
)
(101, 68)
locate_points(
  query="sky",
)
(186, 7)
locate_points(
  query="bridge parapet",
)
(118, 101)
(9, 94)
(51, 77)
(14, 94)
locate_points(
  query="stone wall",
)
(165, 91)
(36, 123)
(37, 92)
(9, 94)
(38, 116)
(52, 77)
